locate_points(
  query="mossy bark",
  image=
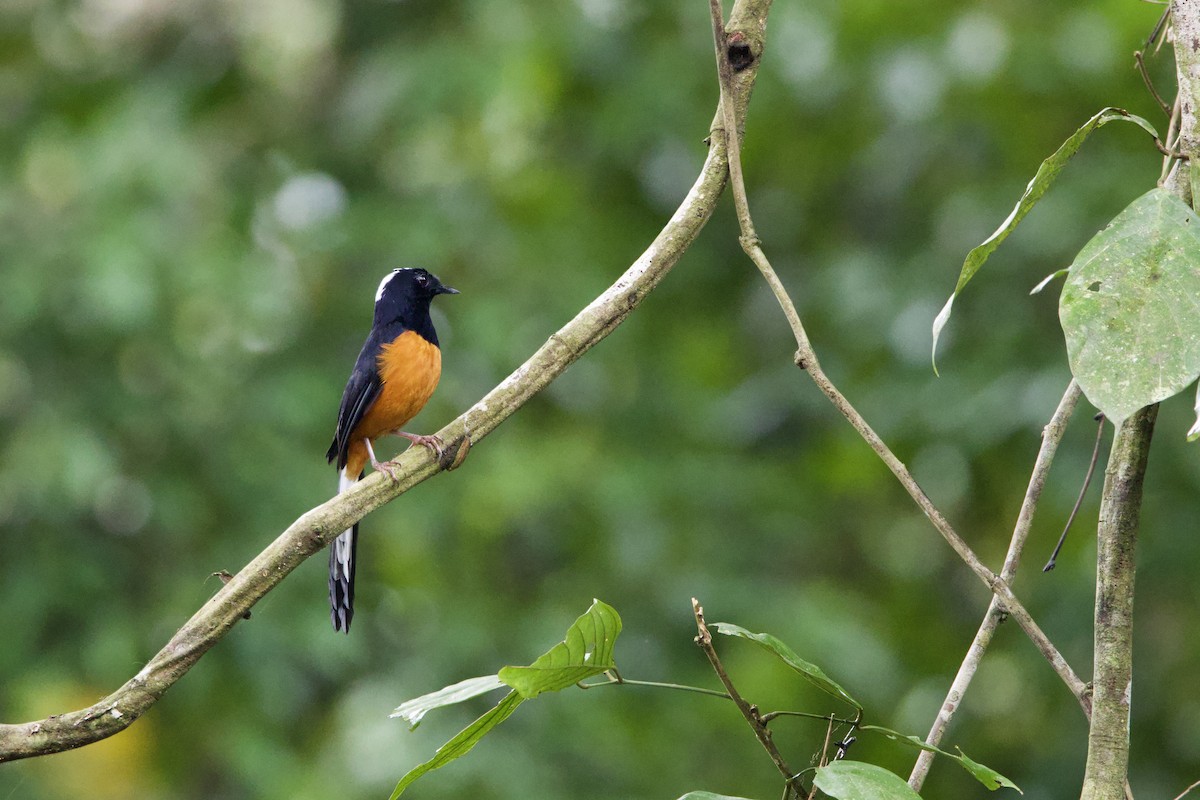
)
(1112, 684)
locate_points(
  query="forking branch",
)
(728, 44)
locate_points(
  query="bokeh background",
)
(197, 202)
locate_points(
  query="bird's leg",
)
(433, 443)
(386, 467)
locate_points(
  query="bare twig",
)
(1087, 481)
(806, 359)
(1185, 791)
(822, 757)
(1139, 60)
(316, 528)
(1169, 163)
(1051, 436)
(1154, 39)
(761, 732)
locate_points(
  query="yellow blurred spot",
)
(116, 768)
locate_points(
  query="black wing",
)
(361, 391)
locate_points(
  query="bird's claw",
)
(432, 443)
(389, 468)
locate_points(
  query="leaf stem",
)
(657, 685)
(770, 715)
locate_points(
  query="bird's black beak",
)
(446, 290)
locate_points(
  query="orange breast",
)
(409, 368)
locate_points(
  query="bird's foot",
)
(432, 443)
(389, 468)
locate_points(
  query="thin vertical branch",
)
(1051, 436)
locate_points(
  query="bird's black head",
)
(405, 294)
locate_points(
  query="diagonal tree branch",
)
(316, 528)
(727, 47)
(1051, 436)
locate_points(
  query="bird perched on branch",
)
(393, 379)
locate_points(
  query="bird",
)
(394, 377)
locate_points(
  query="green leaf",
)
(709, 796)
(1130, 308)
(587, 650)
(854, 780)
(461, 744)
(811, 672)
(1034, 191)
(985, 775)
(911, 741)
(412, 711)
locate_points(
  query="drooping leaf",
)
(986, 775)
(896, 736)
(1034, 191)
(854, 780)
(412, 711)
(461, 744)
(1130, 308)
(811, 672)
(587, 650)
(1044, 282)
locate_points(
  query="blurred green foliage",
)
(198, 200)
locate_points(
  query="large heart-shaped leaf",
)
(1130, 308)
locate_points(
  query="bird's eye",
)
(422, 280)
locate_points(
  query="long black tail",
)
(341, 570)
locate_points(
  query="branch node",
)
(453, 456)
